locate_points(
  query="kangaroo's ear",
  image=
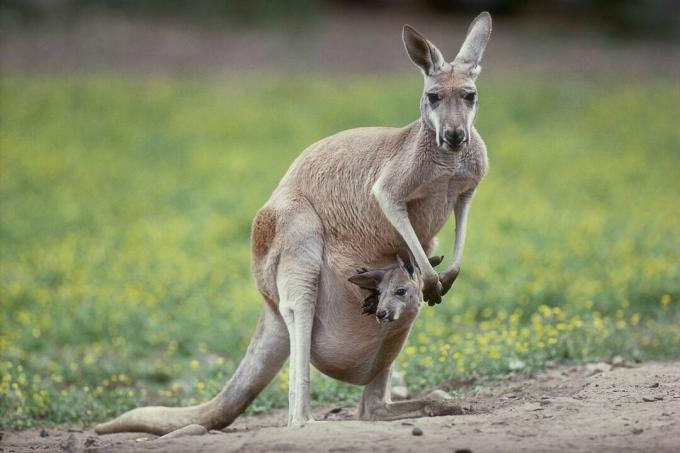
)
(368, 279)
(422, 52)
(435, 260)
(406, 260)
(472, 50)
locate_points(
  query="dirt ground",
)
(595, 407)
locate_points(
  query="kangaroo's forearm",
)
(397, 215)
(460, 211)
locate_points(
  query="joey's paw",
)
(370, 305)
(440, 408)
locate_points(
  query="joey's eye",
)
(470, 97)
(400, 292)
(433, 98)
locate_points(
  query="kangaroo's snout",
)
(455, 137)
(381, 315)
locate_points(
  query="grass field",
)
(125, 210)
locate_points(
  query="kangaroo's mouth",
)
(448, 146)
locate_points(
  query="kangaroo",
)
(351, 201)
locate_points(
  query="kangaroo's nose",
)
(455, 137)
(381, 314)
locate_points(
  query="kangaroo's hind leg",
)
(265, 356)
(297, 285)
(376, 403)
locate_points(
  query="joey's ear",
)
(422, 52)
(472, 50)
(406, 260)
(368, 279)
(401, 262)
(435, 260)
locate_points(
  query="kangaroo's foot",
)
(189, 430)
(265, 356)
(377, 405)
(410, 409)
(300, 421)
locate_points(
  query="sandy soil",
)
(596, 407)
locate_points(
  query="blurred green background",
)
(133, 158)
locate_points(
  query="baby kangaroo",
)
(351, 201)
(393, 290)
(395, 298)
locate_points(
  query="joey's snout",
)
(455, 137)
(391, 311)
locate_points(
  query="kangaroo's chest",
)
(430, 206)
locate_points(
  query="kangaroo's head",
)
(394, 291)
(449, 102)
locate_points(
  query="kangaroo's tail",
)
(268, 350)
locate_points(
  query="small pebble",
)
(637, 431)
(647, 399)
(654, 385)
(417, 431)
(463, 450)
(44, 433)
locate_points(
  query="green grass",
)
(125, 210)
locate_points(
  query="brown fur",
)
(263, 232)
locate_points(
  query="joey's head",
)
(448, 105)
(395, 291)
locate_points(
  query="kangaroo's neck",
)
(419, 138)
(422, 144)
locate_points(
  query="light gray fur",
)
(352, 201)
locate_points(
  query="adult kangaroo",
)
(352, 201)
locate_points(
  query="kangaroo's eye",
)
(433, 98)
(400, 292)
(470, 97)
